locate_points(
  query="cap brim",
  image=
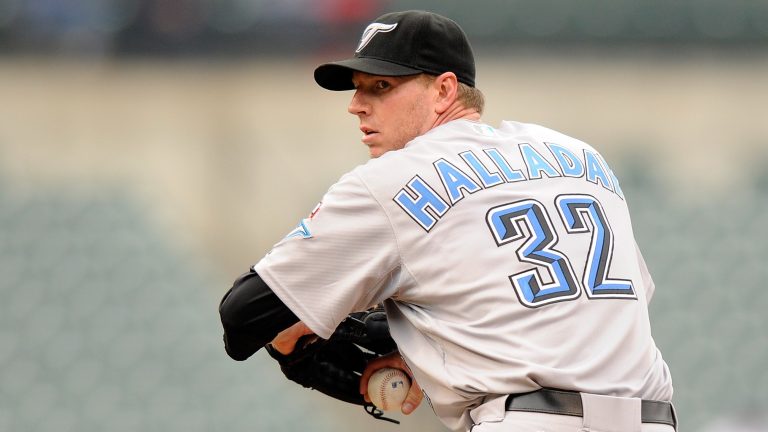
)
(338, 75)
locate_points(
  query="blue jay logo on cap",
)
(371, 31)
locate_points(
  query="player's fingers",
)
(390, 360)
(370, 368)
(413, 399)
(285, 341)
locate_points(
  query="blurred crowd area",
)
(248, 27)
(151, 151)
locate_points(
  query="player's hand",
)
(414, 397)
(285, 341)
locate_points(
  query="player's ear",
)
(447, 86)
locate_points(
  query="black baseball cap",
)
(404, 43)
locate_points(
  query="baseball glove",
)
(334, 366)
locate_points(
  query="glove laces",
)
(377, 413)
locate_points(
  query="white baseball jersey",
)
(505, 258)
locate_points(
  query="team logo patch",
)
(301, 231)
(371, 31)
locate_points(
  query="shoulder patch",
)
(302, 230)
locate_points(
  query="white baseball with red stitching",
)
(388, 388)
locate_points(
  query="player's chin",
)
(375, 151)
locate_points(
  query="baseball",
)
(388, 387)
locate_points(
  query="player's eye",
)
(382, 85)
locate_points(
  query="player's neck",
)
(454, 112)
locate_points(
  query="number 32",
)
(580, 214)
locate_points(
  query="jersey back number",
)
(551, 277)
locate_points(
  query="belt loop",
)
(611, 414)
(491, 410)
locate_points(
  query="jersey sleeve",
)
(343, 258)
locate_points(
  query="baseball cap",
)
(404, 43)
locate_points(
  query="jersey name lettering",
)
(476, 171)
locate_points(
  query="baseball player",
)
(504, 256)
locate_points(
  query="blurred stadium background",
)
(152, 150)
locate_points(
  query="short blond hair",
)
(470, 97)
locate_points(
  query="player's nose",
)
(357, 105)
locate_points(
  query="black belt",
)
(569, 403)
